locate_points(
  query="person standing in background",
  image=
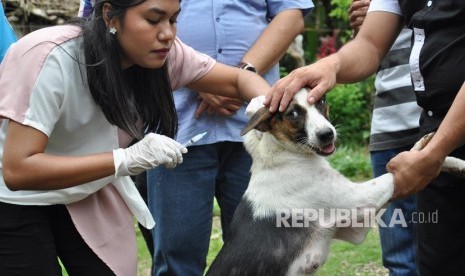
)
(86, 7)
(394, 129)
(7, 35)
(253, 35)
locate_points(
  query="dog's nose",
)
(325, 134)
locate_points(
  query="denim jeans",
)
(181, 201)
(397, 242)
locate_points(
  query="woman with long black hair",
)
(73, 97)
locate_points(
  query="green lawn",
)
(145, 260)
(348, 259)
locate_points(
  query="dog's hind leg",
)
(313, 256)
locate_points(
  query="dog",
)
(276, 229)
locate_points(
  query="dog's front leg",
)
(374, 193)
(359, 206)
(451, 165)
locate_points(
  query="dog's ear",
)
(259, 121)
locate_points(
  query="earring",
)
(112, 30)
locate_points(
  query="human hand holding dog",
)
(153, 150)
(319, 77)
(412, 171)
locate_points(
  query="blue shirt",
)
(224, 30)
(7, 34)
(86, 7)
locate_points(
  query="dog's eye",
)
(293, 114)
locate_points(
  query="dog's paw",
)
(420, 144)
(254, 105)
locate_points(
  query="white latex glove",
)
(254, 105)
(153, 150)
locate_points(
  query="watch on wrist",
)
(247, 66)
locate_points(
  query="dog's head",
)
(302, 127)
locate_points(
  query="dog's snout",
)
(325, 135)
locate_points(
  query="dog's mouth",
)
(326, 150)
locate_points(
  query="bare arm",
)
(275, 40)
(228, 81)
(27, 167)
(265, 53)
(413, 170)
(355, 61)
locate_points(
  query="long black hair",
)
(128, 97)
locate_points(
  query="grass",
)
(348, 259)
(143, 255)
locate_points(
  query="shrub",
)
(352, 162)
(350, 108)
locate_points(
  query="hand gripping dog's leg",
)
(451, 165)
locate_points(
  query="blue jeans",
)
(181, 201)
(397, 242)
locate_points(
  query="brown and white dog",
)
(296, 203)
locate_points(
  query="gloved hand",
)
(254, 105)
(153, 150)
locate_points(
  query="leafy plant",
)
(350, 111)
(340, 14)
(339, 9)
(352, 162)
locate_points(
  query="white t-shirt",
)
(385, 5)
